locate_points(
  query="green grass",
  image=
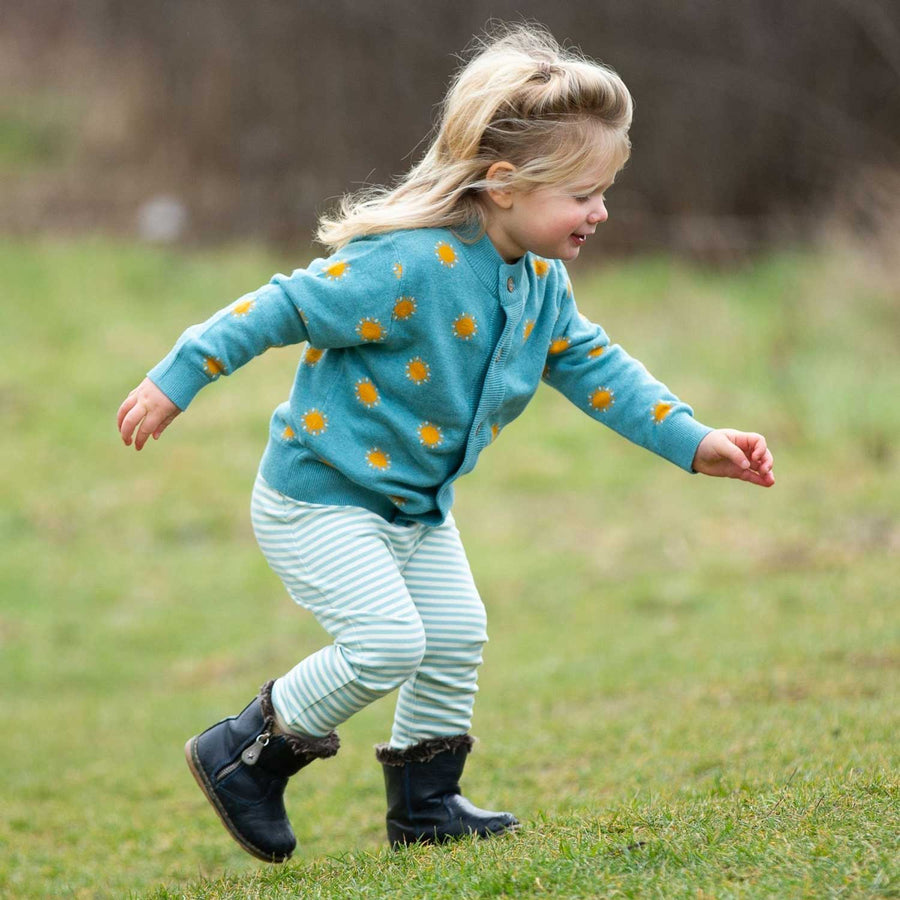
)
(692, 687)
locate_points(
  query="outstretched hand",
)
(726, 453)
(145, 411)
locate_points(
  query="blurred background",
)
(687, 646)
(756, 123)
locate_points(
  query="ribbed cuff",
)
(178, 379)
(680, 439)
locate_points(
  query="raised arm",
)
(601, 379)
(317, 304)
(616, 389)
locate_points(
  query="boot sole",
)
(399, 837)
(210, 794)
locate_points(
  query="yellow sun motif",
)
(418, 371)
(661, 410)
(312, 356)
(397, 501)
(288, 433)
(529, 327)
(602, 399)
(367, 393)
(405, 307)
(242, 307)
(495, 430)
(370, 330)
(595, 352)
(559, 345)
(430, 435)
(541, 267)
(446, 254)
(314, 421)
(398, 269)
(465, 327)
(337, 270)
(378, 459)
(214, 367)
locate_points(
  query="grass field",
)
(692, 687)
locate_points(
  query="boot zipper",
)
(250, 756)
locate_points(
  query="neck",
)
(502, 244)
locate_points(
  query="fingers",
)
(762, 479)
(136, 426)
(765, 463)
(167, 420)
(146, 412)
(142, 435)
(757, 454)
(761, 459)
(128, 419)
(736, 455)
(137, 422)
(754, 445)
(126, 406)
(741, 455)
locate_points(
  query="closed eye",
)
(584, 198)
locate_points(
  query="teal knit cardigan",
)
(421, 348)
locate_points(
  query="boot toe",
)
(503, 822)
(483, 822)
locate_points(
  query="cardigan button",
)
(510, 284)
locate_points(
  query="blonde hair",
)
(520, 98)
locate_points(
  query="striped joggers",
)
(399, 602)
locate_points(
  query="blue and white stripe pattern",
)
(400, 603)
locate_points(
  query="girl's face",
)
(553, 221)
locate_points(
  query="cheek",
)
(569, 222)
(557, 219)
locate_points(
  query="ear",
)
(499, 173)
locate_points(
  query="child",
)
(444, 304)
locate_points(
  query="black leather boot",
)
(423, 794)
(243, 763)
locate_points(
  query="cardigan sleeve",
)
(342, 301)
(612, 387)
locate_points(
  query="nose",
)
(599, 213)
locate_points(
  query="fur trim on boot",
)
(423, 752)
(300, 744)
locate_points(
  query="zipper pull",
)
(250, 756)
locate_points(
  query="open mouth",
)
(579, 239)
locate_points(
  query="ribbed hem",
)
(312, 481)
